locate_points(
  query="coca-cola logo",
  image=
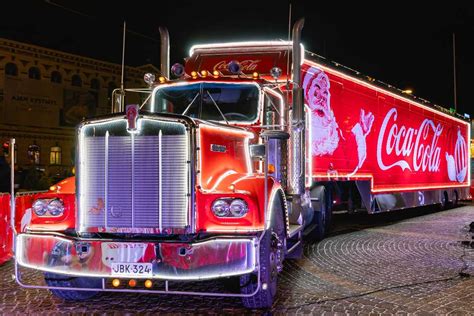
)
(414, 149)
(246, 65)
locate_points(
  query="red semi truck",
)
(217, 173)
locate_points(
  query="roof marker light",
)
(177, 70)
(204, 73)
(149, 78)
(234, 67)
(215, 74)
(255, 75)
(194, 74)
(275, 72)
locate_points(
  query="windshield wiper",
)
(187, 108)
(217, 107)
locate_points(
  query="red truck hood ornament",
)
(132, 117)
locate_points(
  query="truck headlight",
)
(40, 207)
(238, 208)
(221, 208)
(48, 207)
(229, 207)
(56, 207)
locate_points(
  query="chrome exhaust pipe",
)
(297, 128)
(165, 52)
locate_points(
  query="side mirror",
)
(118, 98)
(257, 151)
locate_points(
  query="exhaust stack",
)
(297, 129)
(165, 52)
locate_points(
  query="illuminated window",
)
(34, 154)
(95, 84)
(34, 73)
(55, 155)
(76, 81)
(56, 77)
(11, 69)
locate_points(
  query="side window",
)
(56, 77)
(34, 73)
(11, 69)
(95, 84)
(34, 154)
(55, 155)
(76, 81)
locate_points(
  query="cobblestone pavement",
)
(413, 262)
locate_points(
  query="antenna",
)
(454, 73)
(123, 54)
(288, 55)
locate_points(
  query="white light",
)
(239, 44)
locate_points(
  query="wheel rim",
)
(276, 255)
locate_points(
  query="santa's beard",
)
(324, 132)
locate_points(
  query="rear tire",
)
(322, 213)
(271, 263)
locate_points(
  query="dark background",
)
(404, 44)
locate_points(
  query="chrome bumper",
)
(210, 259)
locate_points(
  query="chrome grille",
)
(133, 182)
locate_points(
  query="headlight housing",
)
(230, 207)
(48, 207)
(40, 207)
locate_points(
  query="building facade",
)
(45, 93)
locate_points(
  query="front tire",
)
(56, 280)
(65, 281)
(271, 263)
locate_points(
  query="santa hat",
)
(311, 74)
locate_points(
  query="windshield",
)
(210, 101)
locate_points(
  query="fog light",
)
(148, 284)
(116, 282)
(132, 283)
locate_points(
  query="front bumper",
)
(213, 258)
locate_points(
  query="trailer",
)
(219, 172)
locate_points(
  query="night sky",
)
(404, 44)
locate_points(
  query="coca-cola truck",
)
(219, 172)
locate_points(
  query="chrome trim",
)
(189, 133)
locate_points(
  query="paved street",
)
(411, 262)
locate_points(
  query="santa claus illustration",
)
(325, 132)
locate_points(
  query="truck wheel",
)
(58, 280)
(271, 263)
(322, 213)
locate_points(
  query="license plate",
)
(132, 269)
